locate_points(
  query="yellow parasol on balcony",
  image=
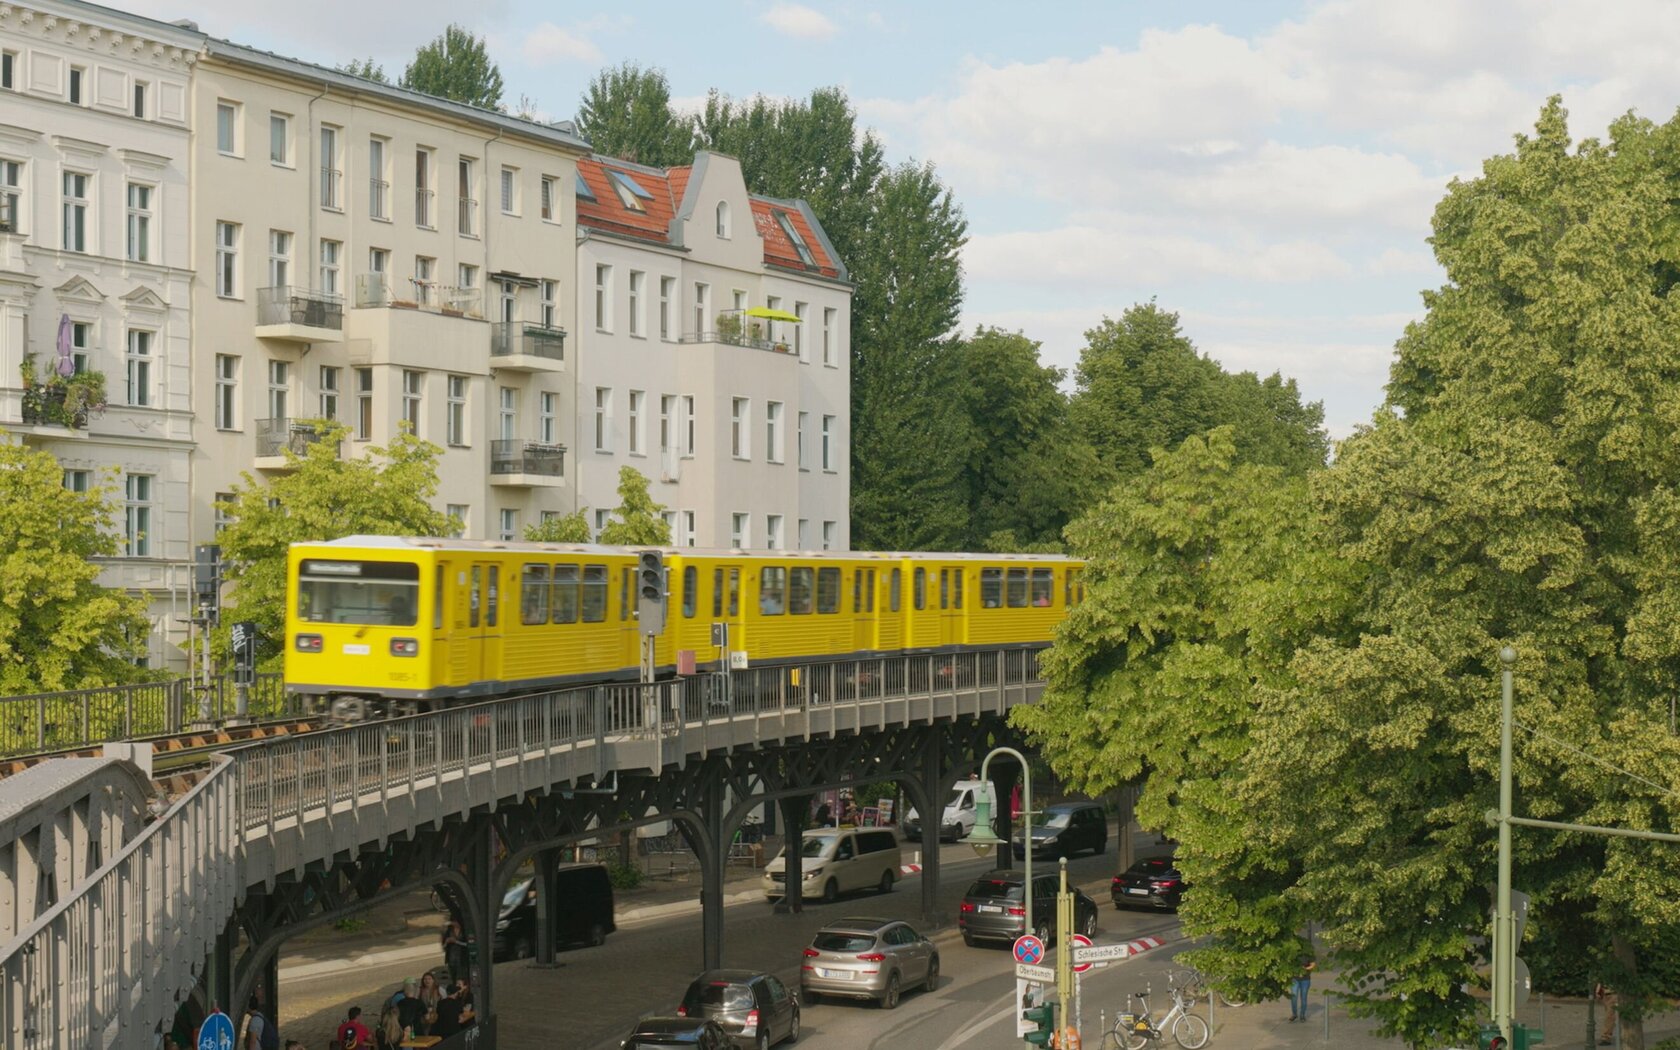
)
(767, 314)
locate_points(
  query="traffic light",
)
(207, 577)
(650, 591)
(1522, 1038)
(1044, 1017)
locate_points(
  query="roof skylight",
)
(799, 245)
(583, 190)
(629, 190)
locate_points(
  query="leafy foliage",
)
(626, 112)
(637, 521)
(562, 528)
(366, 68)
(59, 629)
(456, 66)
(322, 497)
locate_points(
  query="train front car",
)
(357, 618)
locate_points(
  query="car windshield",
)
(957, 796)
(843, 942)
(721, 995)
(1058, 820)
(1153, 866)
(816, 847)
(995, 889)
(514, 895)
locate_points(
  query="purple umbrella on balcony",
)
(66, 365)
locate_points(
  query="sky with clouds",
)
(1267, 170)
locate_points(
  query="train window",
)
(1016, 590)
(957, 580)
(382, 594)
(828, 590)
(437, 602)
(624, 610)
(717, 594)
(893, 584)
(869, 593)
(490, 606)
(735, 591)
(944, 588)
(594, 593)
(799, 592)
(1067, 597)
(918, 588)
(991, 588)
(533, 594)
(1043, 587)
(772, 588)
(565, 590)
(691, 583)
(472, 596)
(857, 591)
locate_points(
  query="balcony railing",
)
(286, 304)
(412, 293)
(378, 193)
(508, 338)
(276, 436)
(423, 209)
(516, 456)
(330, 181)
(780, 346)
(467, 219)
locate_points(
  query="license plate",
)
(838, 975)
(351, 649)
(1138, 893)
(990, 907)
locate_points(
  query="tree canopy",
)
(366, 68)
(626, 112)
(562, 528)
(59, 629)
(456, 66)
(638, 521)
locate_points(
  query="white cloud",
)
(354, 30)
(798, 21)
(550, 43)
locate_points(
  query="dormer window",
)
(792, 232)
(630, 192)
(723, 219)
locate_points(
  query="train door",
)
(863, 610)
(490, 670)
(469, 638)
(950, 605)
(628, 621)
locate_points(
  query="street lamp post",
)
(983, 838)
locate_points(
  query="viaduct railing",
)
(88, 717)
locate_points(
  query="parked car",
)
(756, 1009)
(583, 911)
(868, 959)
(1067, 828)
(838, 860)
(1152, 883)
(660, 1032)
(994, 908)
(958, 818)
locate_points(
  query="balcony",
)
(516, 463)
(375, 290)
(276, 437)
(521, 346)
(299, 316)
(732, 337)
(51, 412)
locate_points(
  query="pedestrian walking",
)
(1301, 986)
(1607, 1002)
(260, 1033)
(454, 950)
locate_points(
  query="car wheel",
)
(763, 1041)
(831, 891)
(522, 948)
(1102, 847)
(793, 1026)
(889, 998)
(1042, 930)
(886, 881)
(933, 974)
(597, 935)
(1089, 926)
(968, 938)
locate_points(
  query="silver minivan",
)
(836, 861)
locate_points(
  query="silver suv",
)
(868, 959)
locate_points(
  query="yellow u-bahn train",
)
(383, 624)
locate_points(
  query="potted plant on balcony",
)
(65, 401)
(755, 333)
(729, 327)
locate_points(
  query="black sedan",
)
(690, 1033)
(1152, 883)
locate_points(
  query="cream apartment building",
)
(741, 423)
(386, 259)
(95, 141)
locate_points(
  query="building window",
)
(378, 186)
(81, 340)
(11, 196)
(77, 76)
(329, 392)
(773, 431)
(466, 276)
(667, 405)
(8, 70)
(509, 410)
(510, 191)
(723, 219)
(740, 418)
(139, 222)
(603, 297)
(828, 337)
(773, 531)
(137, 530)
(466, 223)
(413, 383)
(509, 299)
(139, 367)
(279, 385)
(799, 311)
(227, 128)
(279, 259)
(364, 404)
(667, 288)
(738, 531)
(549, 292)
(603, 419)
(227, 260)
(828, 535)
(77, 480)
(227, 392)
(804, 536)
(330, 251)
(636, 279)
(637, 397)
(379, 260)
(601, 519)
(423, 190)
(771, 328)
(140, 99)
(223, 510)
(828, 443)
(509, 523)
(76, 196)
(548, 198)
(280, 139)
(689, 424)
(547, 423)
(331, 176)
(457, 511)
(456, 426)
(690, 536)
(799, 440)
(702, 307)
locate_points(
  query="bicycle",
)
(1135, 1029)
(1195, 987)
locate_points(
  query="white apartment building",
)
(94, 237)
(386, 259)
(742, 423)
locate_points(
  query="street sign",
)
(1029, 949)
(244, 639)
(1101, 953)
(1035, 974)
(216, 1033)
(1078, 941)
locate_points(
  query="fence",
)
(88, 717)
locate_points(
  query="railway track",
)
(174, 756)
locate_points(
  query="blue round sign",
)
(216, 1033)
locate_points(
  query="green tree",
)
(59, 629)
(626, 112)
(456, 66)
(562, 528)
(322, 497)
(637, 521)
(366, 68)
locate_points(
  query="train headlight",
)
(308, 643)
(405, 647)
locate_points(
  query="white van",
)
(838, 860)
(958, 818)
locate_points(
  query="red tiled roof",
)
(778, 250)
